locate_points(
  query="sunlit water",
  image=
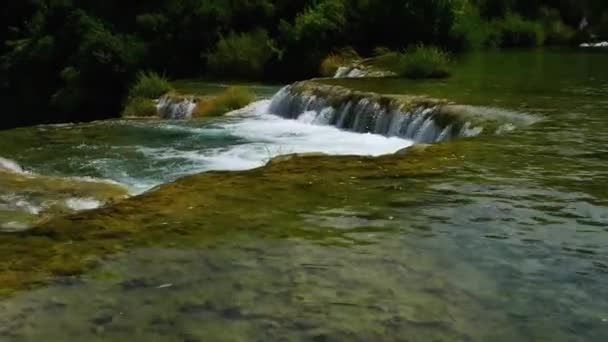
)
(511, 247)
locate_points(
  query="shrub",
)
(556, 31)
(423, 62)
(141, 107)
(384, 58)
(149, 85)
(516, 31)
(243, 55)
(335, 60)
(469, 30)
(231, 99)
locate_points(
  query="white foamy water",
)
(10, 165)
(145, 154)
(79, 204)
(142, 155)
(264, 136)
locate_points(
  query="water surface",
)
(501, 238)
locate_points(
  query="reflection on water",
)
(508, 243)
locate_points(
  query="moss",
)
(140, 107)
(202, 207)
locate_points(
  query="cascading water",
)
(175, 109)
(360, 71)
(416, 118)
(422, 123)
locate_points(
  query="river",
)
(498, 237)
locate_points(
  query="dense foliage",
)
(70, 60)
(422, 62)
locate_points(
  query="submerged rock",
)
(27, 199)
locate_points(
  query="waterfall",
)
(350, 72)
(426, 122)
(175, 108)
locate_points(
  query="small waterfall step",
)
(418, 118)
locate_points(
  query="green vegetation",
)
(423, 62)
(556, 31)
(81, 56)
(231, 99)
(335, 60)
(242, 55)
(515, 31)
(149, 85)
(140, 106)
(415, 63)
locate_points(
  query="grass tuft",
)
(149, 85)
(417, 63)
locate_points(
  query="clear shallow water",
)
(509, 243)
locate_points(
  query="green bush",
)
(241, 55)
(469, 30)
(423, 62)
(384, 58)
(139, 106)
(516, 31)
(556, 31)
(149, 85)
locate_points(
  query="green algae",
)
(201, 206)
